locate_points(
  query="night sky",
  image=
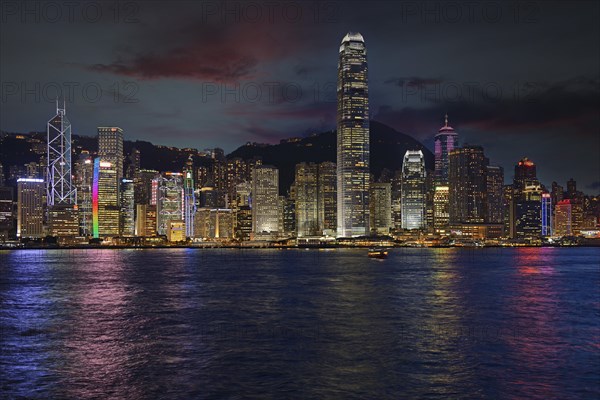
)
(520, 81)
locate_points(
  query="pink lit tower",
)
(445, 141)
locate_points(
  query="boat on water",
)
(378, 253)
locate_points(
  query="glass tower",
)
(445, 141)
(413, 190)
(352, 138)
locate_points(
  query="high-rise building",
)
(110, 147)
(529, 213)
(397, 200)
(59, 188)
(413, 190)
(63, 220)
(525, 175)
(145, 220)
(169, 200)
(445, 141)
(288, 215)
(127, 206)
(243, 223)
(6, 213)
(547, 223)
(327, 197)
(380, 197)
(143, 186)
(30, 207)
(468, 185)
(508, 219)
(175, 231)
(494, 194)
(265, 199)
(562, 218)
(189, 198)
(134, 164)
(214, 223)
(441, 215)
(84, 173)
(307, 210)
(105, 200)
(352, 138)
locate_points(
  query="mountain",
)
(387, 151)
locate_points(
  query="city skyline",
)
(550, 107)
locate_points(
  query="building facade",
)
(413, 190)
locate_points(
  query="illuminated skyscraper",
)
(494, 194)
(265, 199)
(110, 148)
(352, 138)
(169, 200)
(127, 205)
(30, 208)
(562, 218)
(468, 185)
(413, 190)
(441, 216)
(59, 187)
(327, 198)
(547, 214)
(307, 210)
(105, 200)
(6, 213)
(189, 199)
(445, 141)
(381, 208)
(84, 173)
(529, 213)
(525, 174)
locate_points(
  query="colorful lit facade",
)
(547, 214)
(105, 200)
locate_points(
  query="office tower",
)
(429, 193)
(243, 192)
(30, 207)
(494, 194)
(134, 164)
(413, 190)
(307, 212)
(508, 212)
(265, 197)
(529, 213)
(562, 218)
(202, 176)
(468, 184)
(84, 173)
(169, 200)
(397, 200)
(143, 186)
(327, 197)
(209, 197)
(6, 213)
(288, 215)
(63, 220)
(525, 174)
(547, 223)
(189, 198)
(352, 138)
(105, 200)
(214, 223)
(445, 141)
(145, 220)
(127, 205)
(243, 223)
(380, 197)
(237, 172)
(175, 230)
(441, 215)
(571, 188)
(110, 148)
(557, 194)
(59, 187)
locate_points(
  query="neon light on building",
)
(95, 231)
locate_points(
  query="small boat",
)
(378, 253)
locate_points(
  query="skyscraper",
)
(352, 138)
(6, 213)
(110, 147)
(189, 199)
(381, 208)
(525, 174)
(562, 218)
(127, 206)
(59, 187)
(445, 141)
(327, 198)
(494, 194)
(169, 200)
(265, 199)
(468, 185)
(441, 216)
(84, 173)
(307, 210)
(529, 213)
(413, 190)
(30, 208)
(547, 223)
(105, 200)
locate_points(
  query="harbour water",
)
(300, 324)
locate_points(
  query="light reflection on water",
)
(182, 323)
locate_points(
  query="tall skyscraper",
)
(59, 187)
(562, 218)
(307, 210)
(105, 200)
(352, 138)
(6, 213)
(494, 194)
(381, 208)
(143, 186)
(30, 208)
(84, 173)
(547, 223)
(468, 185)
(265, 199)
(169, 200)
(127, 208)
(441, 216)
(445, 141)
(110, 148)
(189, 200)
(413, 190)
(327, 198)
(529, 213)
(525, 174)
